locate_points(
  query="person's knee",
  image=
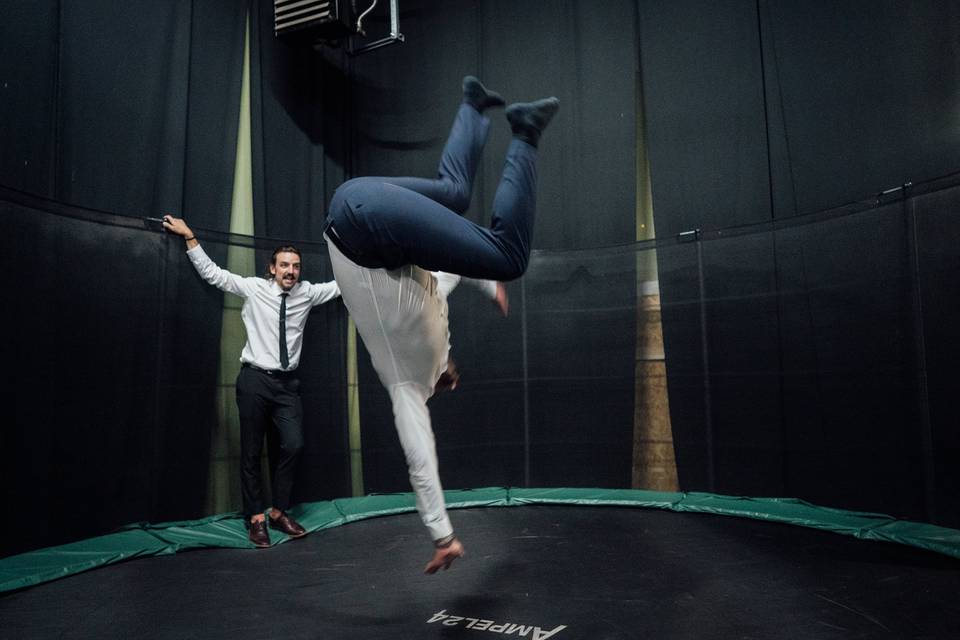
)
(291, 449)
(250, 464)
(458, 196)
(291, 444)
(512, 269)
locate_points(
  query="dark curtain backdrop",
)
(496, 429)
(817, 343)
(938, 232)
(130, 109)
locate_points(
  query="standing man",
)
(275, 310)
(386, 235)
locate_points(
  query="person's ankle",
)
(478, 96)
(529, 119)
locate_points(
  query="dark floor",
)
(532, 572)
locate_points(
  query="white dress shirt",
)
(401, 315)
(261, 310)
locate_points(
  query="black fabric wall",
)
(816, 349)
(130, 110)
(83, 439)
(937, 231)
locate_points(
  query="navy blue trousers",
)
(392, 222)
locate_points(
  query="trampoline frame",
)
(227, 530)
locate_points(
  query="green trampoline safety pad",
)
(228, 531)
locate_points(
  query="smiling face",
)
(285, 269)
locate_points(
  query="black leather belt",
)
(374, 258)
(338, 241)
(270, 372)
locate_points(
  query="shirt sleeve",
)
(324, 292)
(220, 278)
(447, 282)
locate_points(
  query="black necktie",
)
(284, 358)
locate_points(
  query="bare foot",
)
(444, 557)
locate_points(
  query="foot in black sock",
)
(529, 119)
(478, 96)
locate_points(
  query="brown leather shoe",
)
(287, 525)
(257, 532)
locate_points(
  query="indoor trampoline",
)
(710, 394)
(558, 563)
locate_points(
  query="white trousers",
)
(401, 316)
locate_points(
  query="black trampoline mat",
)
(532, 571)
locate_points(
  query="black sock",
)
(478, 96)
(529, 119)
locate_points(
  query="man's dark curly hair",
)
(289, 248)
